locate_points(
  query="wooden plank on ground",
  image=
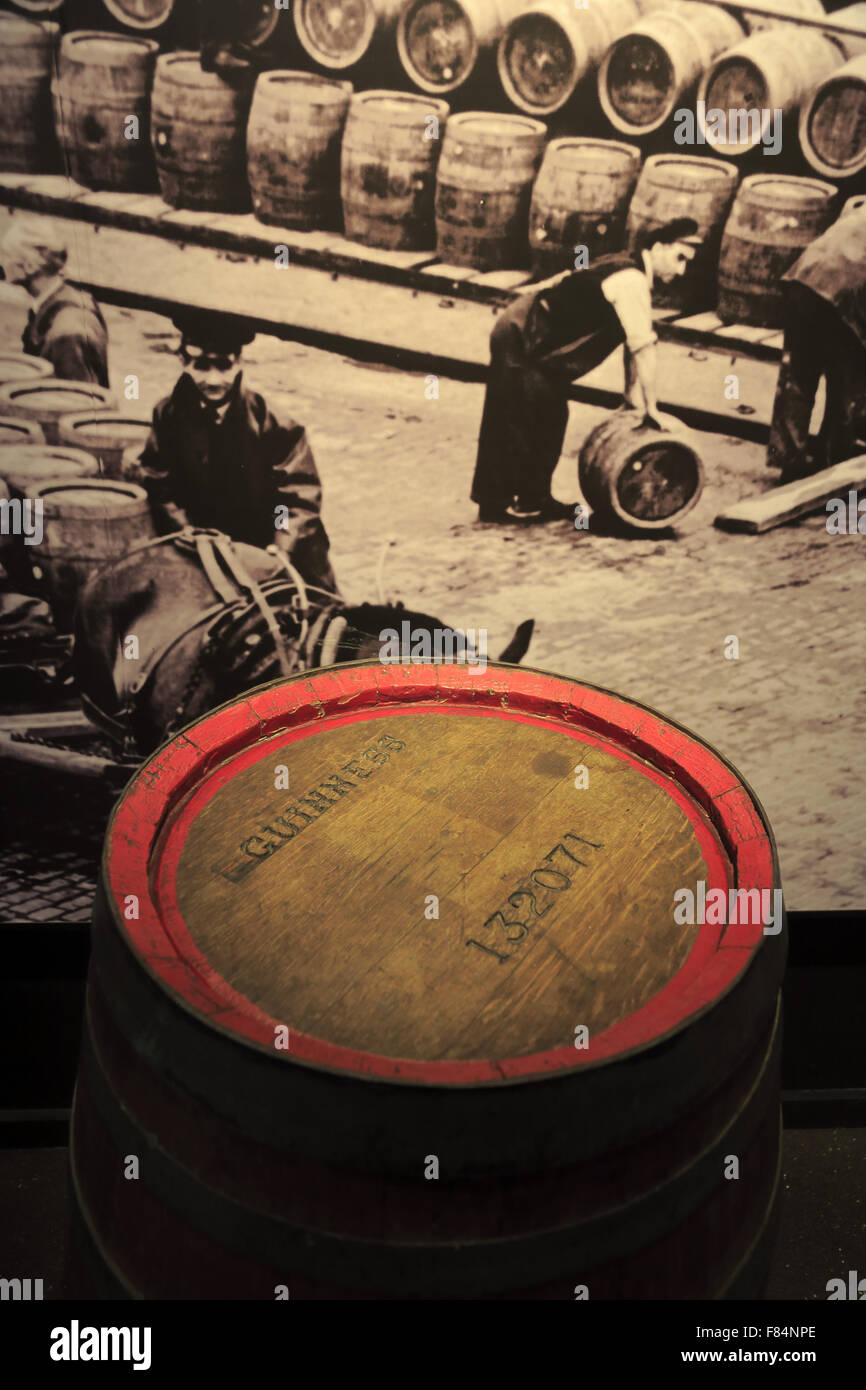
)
(450, 272)
(55, 186)
(502, 279)
(701, 323)
(142, 206)
(781, 504)
(744, 332)
(65, 723)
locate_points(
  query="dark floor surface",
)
(822, 1236)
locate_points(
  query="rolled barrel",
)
(580, 199)
(768, 71)
(637, 476)
(484, 187)
(338, 34)
(27, 142)
(293, 148)
(391, 145)
(773, 219)
(87, 522)
(444, 43)
(198, 126)
(677, 185)
(335, 1098)
(102, 109)
(44, 402)
(647, 73)
(547, 50)
(106, 435)
(833, 122)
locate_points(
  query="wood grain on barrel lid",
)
(327, 930)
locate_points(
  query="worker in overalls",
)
(64, 324)
(218, 458)
(825, 335)
(551, 335)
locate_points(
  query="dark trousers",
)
(522, 426)
(817, 343)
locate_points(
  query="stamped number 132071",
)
(532, 899)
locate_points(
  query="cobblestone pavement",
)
(647, 618)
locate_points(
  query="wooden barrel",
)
(337, 34)
(468, 1042)
(293, 148)
(29, 468)
(773, 219)
(580, 198)
(766, 72)
(547, 50)
(484, 187)
(391, 145)
(833, 122)
(676, 185)
(102, 109)
(27, 143)
(46, 401)
(756, 24)
(22, 366)
(15, 432)
(637, 476)
(198, 127)
(141, 14)
(106, 435)
(87, 522)
(442, 43)
(647, 73)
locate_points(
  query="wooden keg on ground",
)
(483, 189)
(548, 49)
(293, 148)
(580, 198)
(444, 43)
(773, 219)
(27, 143)
(46, 401)
(388, 168)
(766, 72)
(577, 1052)
(640, 477)
(15, 432)
(27, 468)
(87, 522)
(101, 92)
(648, 72)
(678, 185)
(833, 122)
(22, 366)
(198, 127)
(338, 34)
(105, 434)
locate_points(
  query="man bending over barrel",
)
(218, 458)
(825, 335)
(64, 324)
(549, 336)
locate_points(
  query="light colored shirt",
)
(630, 293)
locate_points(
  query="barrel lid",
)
(89, 492)
(54, 395)
(27, 467)
(18, 28)
(437, 43)
(24, 366)
(331, 89)
(397, 108)
(141, 14)
(336, 33)
(185, 70)
(99, 46)
(36, 7)
(105, 426)
(539, 67)
(581, 151)
(787, 189)
(491, 127)
(432, 900)
(16, 432)
(698, 168)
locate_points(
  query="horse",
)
(186, 622)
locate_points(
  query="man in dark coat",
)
(227, 29)
(550, 335)
(218, 458)
(64, 324)
(825, 335)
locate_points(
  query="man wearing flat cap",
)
(552, 334)
(64, 324)
(218, 458)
